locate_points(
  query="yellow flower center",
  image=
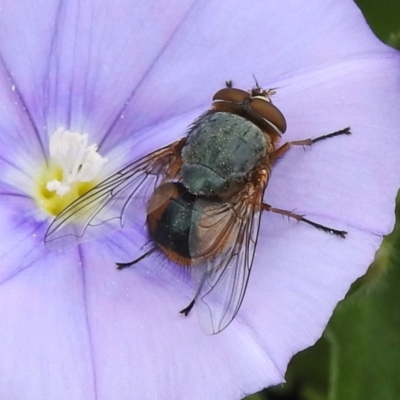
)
(71, 172)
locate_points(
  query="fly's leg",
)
(298, 217)
(187, 309)
(136, 260)
(307, 142)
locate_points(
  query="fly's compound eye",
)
(269, 112)
(257, 104)
(231, 95)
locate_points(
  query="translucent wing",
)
(106, 207)
(223, 240)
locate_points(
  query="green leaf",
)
(383, 16)
(394, 40)
(365, 336)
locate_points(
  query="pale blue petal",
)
(134, 76)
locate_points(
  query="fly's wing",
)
(104, 208)
(222, 240)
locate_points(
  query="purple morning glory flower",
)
(132, 76)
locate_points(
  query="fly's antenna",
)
(255, 80)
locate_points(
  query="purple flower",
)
(133, 77)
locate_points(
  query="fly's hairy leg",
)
(280, 152)
(308, 142)
(136, 260)
(300, 218)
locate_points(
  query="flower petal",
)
(105, 78)
(45, 340)
(353, 178)
(136, 310)
(83, 67)
(88, 331)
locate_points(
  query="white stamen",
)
(79, 162)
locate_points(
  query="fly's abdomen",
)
(169, 220)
